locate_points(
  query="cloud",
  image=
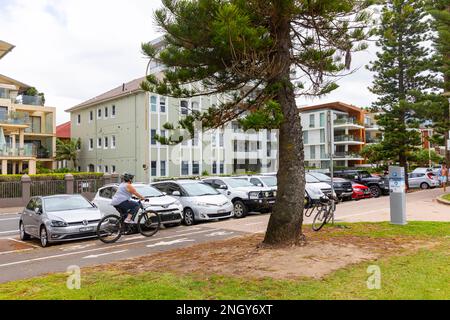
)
(73, 50)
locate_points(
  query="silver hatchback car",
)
(59, 218)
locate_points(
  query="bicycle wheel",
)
(320, 219)
(109, 229)
(149, 223)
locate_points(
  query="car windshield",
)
(311, 179)
(66, 203)
(199, 189)
(269, 181)
(320, 176)
(236, 183)
(148, 192)
(365, 174)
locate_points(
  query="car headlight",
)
(203, 204)
(177, 203)
(253, 195)
(58, 224)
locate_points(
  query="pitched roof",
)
(5, 48)
(337, 105)
(122, 90)
(63, 131)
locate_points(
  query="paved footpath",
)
(20, 260)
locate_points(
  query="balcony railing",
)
(347, 138)
(29, 100)
(346, 155)
(29, 150)
(341, 121)
(18, 118)
(4, 94)
(373, 140)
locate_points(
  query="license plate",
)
(87, 229)
(222, 211)
(272, 201)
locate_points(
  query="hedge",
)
(52, 176)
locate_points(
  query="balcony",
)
(29, 100)
(348, 139)
(371, 127)
(15, 118)
(373, 140)
(348, 122)
(347, 155)
(29, 151)
(4, 93)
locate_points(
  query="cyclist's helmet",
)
(128, 177)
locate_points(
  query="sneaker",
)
(129, 221)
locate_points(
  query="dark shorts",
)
(127, 207)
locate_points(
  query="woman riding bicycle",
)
(122, 199)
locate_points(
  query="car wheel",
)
(240, 210)
(375, 191)
(44, 237)
(189, 218)
(23, 235)
(424, 185)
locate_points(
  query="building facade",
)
(346, 134)
(118, 129)
(27, 127)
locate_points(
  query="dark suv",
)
(342, 187)
(377, 185)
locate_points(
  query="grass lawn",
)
(417, 274)
(446, 197)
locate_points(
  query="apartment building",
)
(118, 128)
(347, 134)
(27, 127)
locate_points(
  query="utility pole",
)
(331, 146)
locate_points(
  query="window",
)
(153, 166)
(106, 112)
(152, 136)
(269, 149)
(153, 104)
(162, 104)
(184, 168)
(305, 137)
(221, 139)
(91, 144)
(322, 152)
(222, 167)
(3, 112)
(99, 113)
(214, 167)
(99, 168)
(163, 133)
(195, 168)
(106, 169)
(113, 169)
(322, 119)
(312, 121)
(99, 142)
(79, 119)
(195, 106)
(113, 142)
(91, 116)
(312, 152)
(184, 107)
(113, 111)
(79, 169)
(322, 135)
(213, 140)
(106, 143)
(163, 168)
(106, 193)
(195, 141)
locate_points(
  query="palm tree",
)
(68, 150)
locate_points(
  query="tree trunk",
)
(285, 224)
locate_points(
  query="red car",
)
(360, 191)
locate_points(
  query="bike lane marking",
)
(93, 256)
(98, 249)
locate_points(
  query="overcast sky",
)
(73, 50)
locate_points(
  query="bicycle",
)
(111, 227)
(325, 213)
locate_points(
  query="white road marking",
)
(9, 219)
(253, 223)
(98, 249)
(11, 231)
(77, 247)
(169, 243)
(219, 233)
(195, 228)
(15, 251)
(103, 254)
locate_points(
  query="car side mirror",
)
(176, 193)
(223, 187)
(356, 177)
(164, 193)
(37, 211)
(260, 185)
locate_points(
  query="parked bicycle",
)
(111, 228)
(323, 211)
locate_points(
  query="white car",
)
(245, 196)
(270, 181)
(200, 201)
(169, 208)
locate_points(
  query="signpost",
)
(397, 188)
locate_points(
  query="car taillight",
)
(430, 175)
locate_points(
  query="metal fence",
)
(47, 188)
(11, 189)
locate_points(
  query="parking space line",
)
(9, 219)
(15, 251)
(20, 241)
(98, 249)
(11, 231)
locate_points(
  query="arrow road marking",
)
(219, 233)
(169, 243)
(103, 254)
